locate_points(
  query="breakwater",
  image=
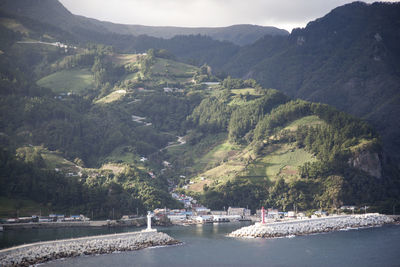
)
(141, 221)
(311, 226)
(36, 253)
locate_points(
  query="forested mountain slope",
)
(349, 58)
(87, 127)
(269, 150)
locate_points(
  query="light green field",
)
(52, 159)
(76, 81)
(163, 66)
(280, 161)
(218, 154)
(308, 120)
(244, 91)
(123, 59)
(120, 154)
(113, 96)
(222, 163)
(55, 160)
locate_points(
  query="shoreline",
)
(40, 252)
(311, 226)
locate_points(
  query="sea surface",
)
(208, 245)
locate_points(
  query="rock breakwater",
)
(311, 226)
(35, 253)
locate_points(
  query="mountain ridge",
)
(240, 34)
(349, 59)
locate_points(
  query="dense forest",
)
(327, 182)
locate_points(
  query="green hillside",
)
(76, 81)
(275, 152)
(139, 125)
(348, 59)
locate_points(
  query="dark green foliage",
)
(167, 112)
(349, 59)
(237, 193)
(231, 83)
(244, 118)
(123, 194)
(212, 115)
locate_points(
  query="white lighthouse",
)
(149, 229)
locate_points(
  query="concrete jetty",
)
(310, 226)
(35, 253)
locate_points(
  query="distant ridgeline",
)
(87, 129)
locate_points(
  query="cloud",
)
(206, 13)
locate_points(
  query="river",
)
(207, 245)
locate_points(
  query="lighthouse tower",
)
(149, 229)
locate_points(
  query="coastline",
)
(35, 253)
(311, 226)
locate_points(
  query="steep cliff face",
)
(367, 161)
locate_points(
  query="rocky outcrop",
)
(367, 161)
(310, 226)
(27, 255)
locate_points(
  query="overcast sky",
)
(285, 14)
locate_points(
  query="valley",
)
(106, 125)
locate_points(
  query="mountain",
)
(89, 127)
(349, 58)
(54, 13)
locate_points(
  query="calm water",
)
(208, 246)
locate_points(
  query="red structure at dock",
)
(262, 215)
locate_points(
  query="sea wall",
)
(141, 221)
(310, 226)
(35, 253)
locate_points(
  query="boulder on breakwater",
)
(27, 255)
(311, 226)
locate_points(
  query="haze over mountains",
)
(53, 12)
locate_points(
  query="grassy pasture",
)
(113, 96)
(279, 160)
(308, 120)
(74, 80)
(123, 59)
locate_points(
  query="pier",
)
(35, 253)
(311, 226)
